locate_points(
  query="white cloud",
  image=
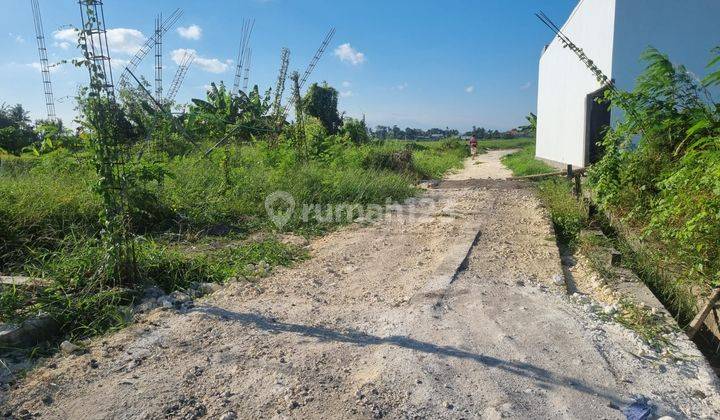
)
(120, 40)
(190, 32)
(68, 34)
(62, 45)
(210, 65)
(36, 65)
(346, 94)
(126, 41)
(526, 86)
(470, 89)
(118, 64)
(401, 86)
(346, 52)
(346, 84)
(17, 38)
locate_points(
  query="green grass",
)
(483, 144)
(505, 144)
(49, 219)
(435, 159)
(523, 162)
(77, 299)
(568, 214)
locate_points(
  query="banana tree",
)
(222, 113)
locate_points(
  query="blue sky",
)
(411, 63)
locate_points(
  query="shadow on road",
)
(543, 377)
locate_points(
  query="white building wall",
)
(564, 81)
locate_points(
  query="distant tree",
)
(16, 133)
(530, 129)
(52, 135)
(382, 132)
(397, 133)
(321, 103)
(355, 130)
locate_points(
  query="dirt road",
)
(454, 310)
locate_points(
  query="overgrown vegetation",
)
(179, 198)
(523, 162)
(661, 173)
(135, 196)
(568, 214)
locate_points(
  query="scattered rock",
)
(179, 297)
(558, 280)
(147, 306)
(133, 364)
(28, 333)
(429, 183)
(208, 288)
(230, 415)
(153, 292)
(699, 394)
(166, 301)
(610, 310)
(69, 348)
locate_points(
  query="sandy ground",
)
(485, 166)
(381, 322)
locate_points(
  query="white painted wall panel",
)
(564, 82)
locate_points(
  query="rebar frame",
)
(158, 59)
(110, 151)
(44, 66)
(147, 46)
(97, 46)
(177, 81)
(248, 62)
(313, 62)
(243, 51)
(299, 120)
(317, 56)
(280, 85)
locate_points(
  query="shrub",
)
(568, 214)
(391, 160)
(355, 131)
(661, 167)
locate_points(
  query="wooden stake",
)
(699, 319)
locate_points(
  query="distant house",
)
(613, 33)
